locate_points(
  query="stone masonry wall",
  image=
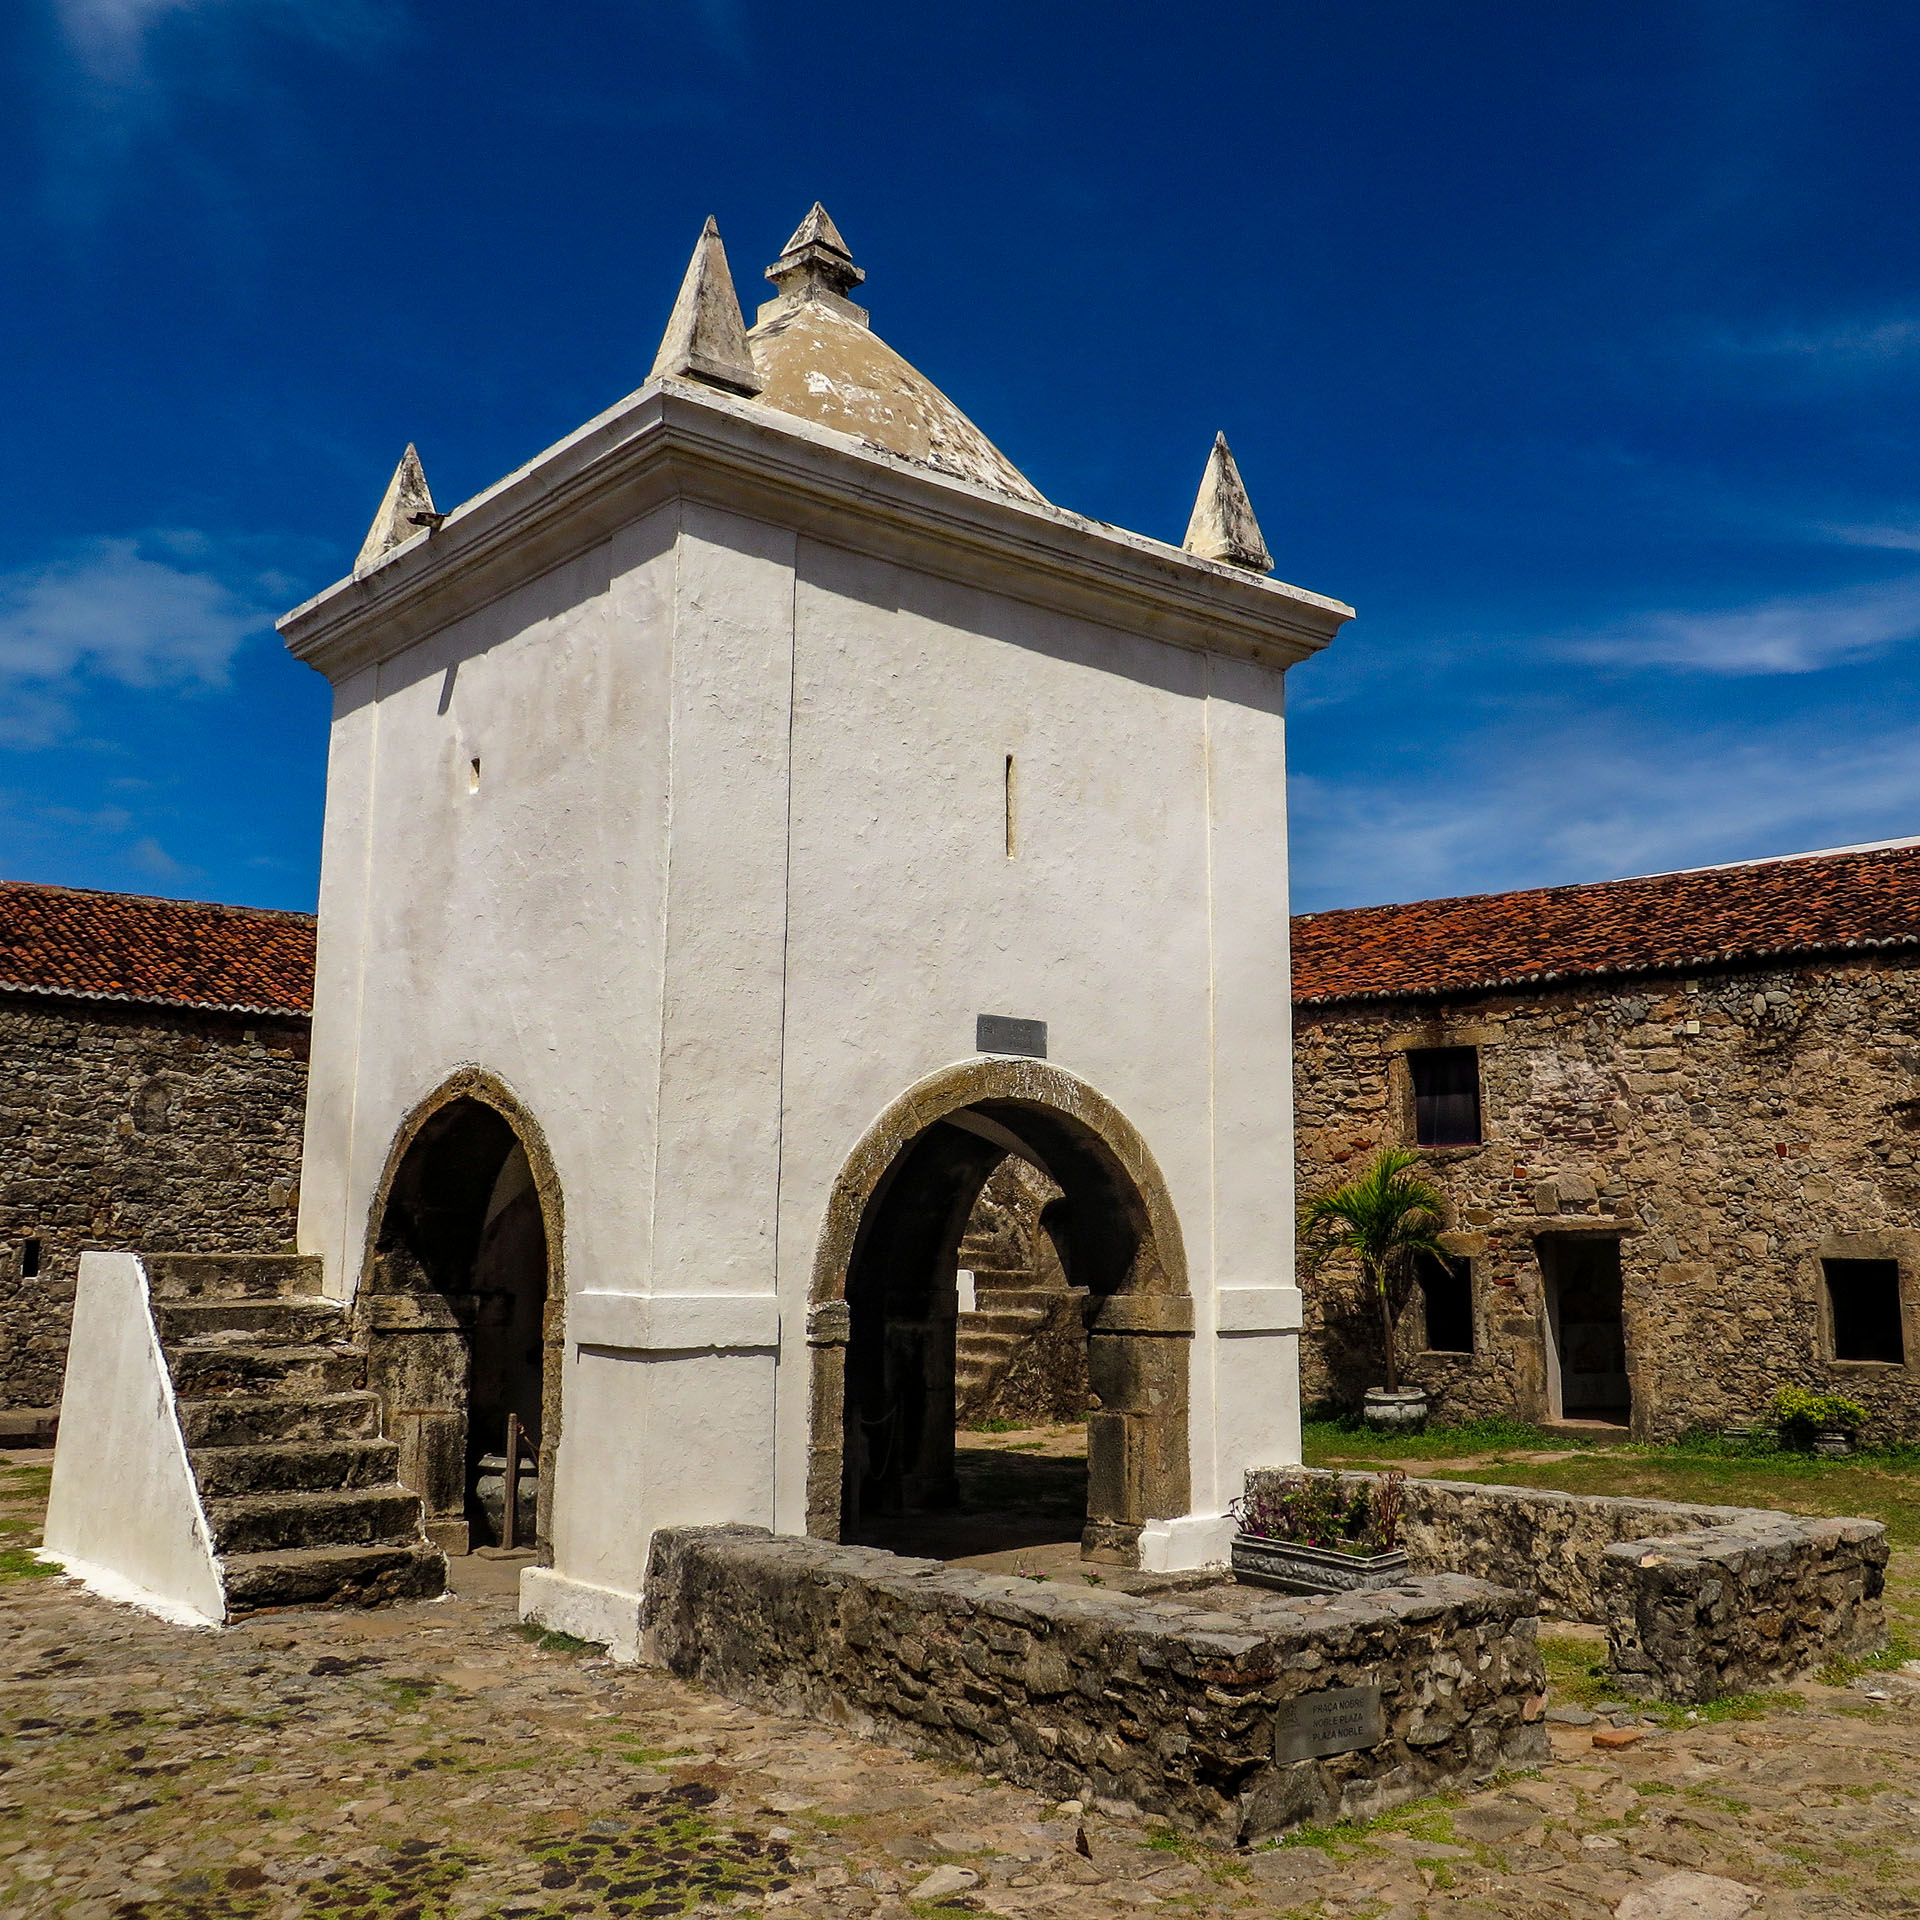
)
(149, 1129)
(1165, 1704)
(1728, 1129)
(1698, 1601)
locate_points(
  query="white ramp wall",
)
(124, 1516)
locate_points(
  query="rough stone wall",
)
(1697, 1601)
(1161, 1703)
(147, 1129)
(1729, 1129)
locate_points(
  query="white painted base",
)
(123, 1592)
(1179, 1546)
(124, 1513)
(604, 1614)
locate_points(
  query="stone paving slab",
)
(430, 1763)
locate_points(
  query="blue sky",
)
(1577, 346)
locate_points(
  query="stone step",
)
(334, 1576)
(299, 1466)
(202, 1372)
(242, 1420)
(1011, 1321)
(987, 1348)
(264, 1322)
(232, 1276)
(1040, 1299)
(271, 1522)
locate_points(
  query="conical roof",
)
(818, 359)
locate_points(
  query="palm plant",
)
(1383, 1221)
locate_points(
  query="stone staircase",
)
(298, 1485)
(986, 1339)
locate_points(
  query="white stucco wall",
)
(124, 1514)
(735, 876)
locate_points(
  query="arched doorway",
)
(462, 1309)
(882, 1325)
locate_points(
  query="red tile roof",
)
(174, 953)
(1667, 923)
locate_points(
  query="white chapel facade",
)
(746, 824)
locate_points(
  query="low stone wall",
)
(1191, 1706)
(1697, 1601)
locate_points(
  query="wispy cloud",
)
(1843, 346)
(138, 612)
(112, 38)
(109, 36)
(1568, 803)
(1796, 634)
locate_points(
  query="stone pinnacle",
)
(1223, 526)
(817, 265)
(706, 339)
(405, 508)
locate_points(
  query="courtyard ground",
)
(433, 1762)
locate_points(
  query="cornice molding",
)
(676, 440)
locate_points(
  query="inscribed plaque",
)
(1335, 1720)
(1001, 1033)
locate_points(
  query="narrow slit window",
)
(1446, 1096)
(473, 776)
(1446, 1292)
(1864, 1297)
(1007, 794)
(29, 1259)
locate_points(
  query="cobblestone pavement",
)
(433, 1763)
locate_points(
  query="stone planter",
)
(1833, 1443)
(1396, 1410)
(1289, 1567)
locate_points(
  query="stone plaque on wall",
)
(1002, 1033)
(1335, 1720)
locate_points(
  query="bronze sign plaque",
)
(1337, 1720)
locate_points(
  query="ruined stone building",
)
(152, 1085)
(1678, 1123)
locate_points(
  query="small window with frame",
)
(1863, 1302)
(1446, 1096)
(1446, 1293)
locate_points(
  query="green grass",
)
(1881, 1483)
(1346, 1439)
(999, 1426)
(546, 1640)
(1900, 1648)
(1430, 1819)
(18, 1563)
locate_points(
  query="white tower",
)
(746, 824)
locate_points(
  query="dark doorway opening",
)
(1586, 1326)
(1446, 1298)
(456, 1316)
(1864, 1299)
(904, 1483)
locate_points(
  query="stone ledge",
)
(1697, 1601)
(1156, 1703)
